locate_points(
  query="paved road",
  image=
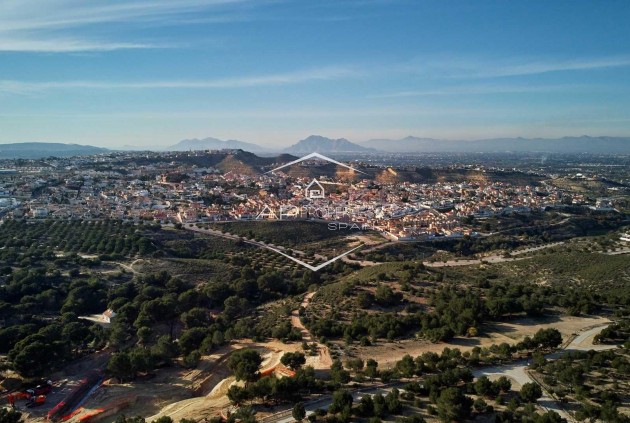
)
(451, 263)
(517, 371)
(260, 244)
(615, 253)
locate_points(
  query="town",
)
(167, 188)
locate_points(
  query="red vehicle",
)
(43, 389)
(34, 396)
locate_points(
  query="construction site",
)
(174, 392)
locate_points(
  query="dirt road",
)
(495, 258)
(324, 360)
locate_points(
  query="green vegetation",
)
(286, 233)
(593, 382)
(28, 240)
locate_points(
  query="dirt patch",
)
(388, 353)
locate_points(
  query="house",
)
(108, 315)
(39, 212)
(314, 190)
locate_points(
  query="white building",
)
(108, 315)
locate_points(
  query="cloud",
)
(480, 67)
(539, 67)
(66, 45)
(20, 15)
(290, 78)
(61, 26)
(486, 89)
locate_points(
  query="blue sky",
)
(153, 72)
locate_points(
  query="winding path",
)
(325, 360)
(517, 371)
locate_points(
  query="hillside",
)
(236, 161)
(38, 150)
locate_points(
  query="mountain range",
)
(38, 150)
(215, 144)
(320, 144)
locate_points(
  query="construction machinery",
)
(34, 396)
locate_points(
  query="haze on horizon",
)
(153, 72)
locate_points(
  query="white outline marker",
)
(308, 266)
(319, 156)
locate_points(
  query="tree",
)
(125, 419)
(548, 338)
(165, 348)
(452, 405)
(196, 317)
(366, 406)
(10, 416)
(191, 339)
(120, 366)
(483, 386)
(192, 360)
(480, 405)
(385, 296)
(406, 366)
(371, 368)
(340, 400)
(237, 395)
(293, 360)
(144, 334)
(244, 364)
(141, 360)
(392, 402)
(550, 417)
(355, 364)
(299, 412)
(338, 374)
(503, 384)
(530, 392)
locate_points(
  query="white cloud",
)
(486, 89)
(483, 67)
(65, 45)
(538, 67)
(60, 26)
(290, 78)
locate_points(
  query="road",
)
(517, 371)
(226, 235)
(495, 258)
(325, 360)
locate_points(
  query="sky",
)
(150, 73)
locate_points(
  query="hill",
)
(238, 161)
(568, 145)
(38, 150)
(215, 144)
(319, 144)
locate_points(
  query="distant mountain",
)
(214, 144)
(583, 144)
(38, 150)
(319, 144)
